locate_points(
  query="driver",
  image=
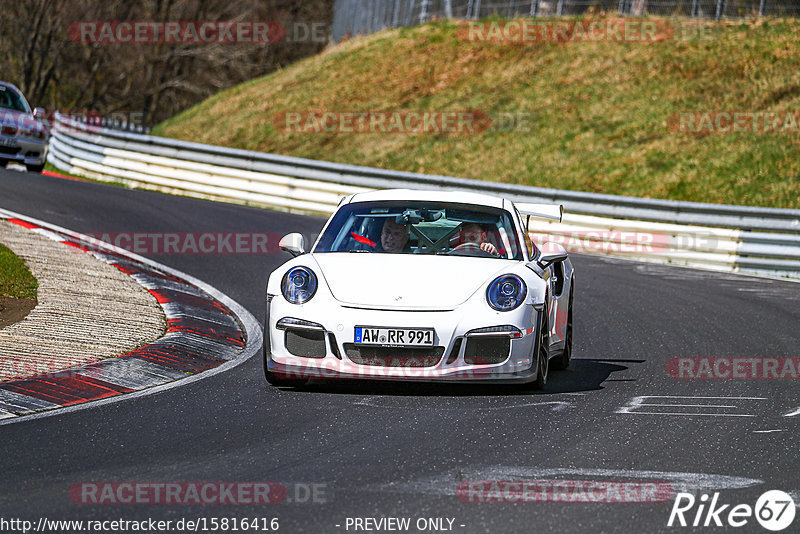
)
(394, 236)
(475, 234)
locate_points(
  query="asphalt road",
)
(400, 450)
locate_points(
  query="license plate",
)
(8, 142)
(405, 337)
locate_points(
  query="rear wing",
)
(542, 211)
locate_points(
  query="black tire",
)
(542, 351)
(272, 378)
(562, 362)
(3, 163)
(35, 168)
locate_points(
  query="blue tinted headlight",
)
(506, 292)
(299, 284)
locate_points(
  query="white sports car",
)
(422, 286)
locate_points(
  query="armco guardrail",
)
(730, 238)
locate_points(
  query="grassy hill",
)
(595, 115)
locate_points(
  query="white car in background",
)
(421, 286)
(23, 137)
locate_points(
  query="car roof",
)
(10, 85)
(462, 197)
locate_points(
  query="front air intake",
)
(486, 350)
(393, 356)
(306, 343)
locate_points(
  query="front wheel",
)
(542, 350)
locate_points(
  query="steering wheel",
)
(470, 249)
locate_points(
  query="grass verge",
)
(596, 115)
(16, 279)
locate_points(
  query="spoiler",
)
(542, 211)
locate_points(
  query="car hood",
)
(406, 281)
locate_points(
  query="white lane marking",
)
(692, 405)
(250, 324)
(638, 406)
(694, 414)
(768, 431)
(694, 397)
(447, 483)
(792, 414)
(5, 415)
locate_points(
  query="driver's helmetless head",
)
(394, 236)
(473, 233)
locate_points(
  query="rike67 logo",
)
(774, 510)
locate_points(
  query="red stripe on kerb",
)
(70, 243)
(63, 176)
(66, 390)
(24, 224)
(161, 299)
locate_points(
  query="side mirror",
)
(38, 113)
(551, 253)
(293, 244)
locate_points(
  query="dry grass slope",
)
(596, 112)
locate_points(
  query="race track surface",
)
(403, 450)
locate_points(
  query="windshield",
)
(422, 228)
(10, 99)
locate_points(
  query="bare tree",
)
(157, 79)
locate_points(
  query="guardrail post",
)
(694, 9)
(761, 8)
(720, 9)
(534, 8)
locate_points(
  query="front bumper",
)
(23, 150)
(455, 358)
